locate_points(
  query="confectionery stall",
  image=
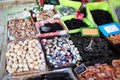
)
(64, 40)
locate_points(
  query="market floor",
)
(3, 41)
(3, 31)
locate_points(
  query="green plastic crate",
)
(60, 6)
(73, 4)
(99, 5)
(74, 30)
(115, 3)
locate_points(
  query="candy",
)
(60, 54)
(24, 59)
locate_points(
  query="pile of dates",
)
(101, 17)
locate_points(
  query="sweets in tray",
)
(25, 56)
(19, 29)
(60, 52)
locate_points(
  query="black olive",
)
(75, 24)
(101, 17)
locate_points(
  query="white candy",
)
(19, 53)
(20, 65)
(19, 59)
(36, 67)
(7, 54)
(11, 70)
(25, 69)
(30, 60)
(31, 66)
(8, 67)
(19, 70)
(14, 66)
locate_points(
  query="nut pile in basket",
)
(20, 29)
(25, 56)
(45, 15)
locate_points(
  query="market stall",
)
(60, 40)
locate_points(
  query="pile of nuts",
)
(45, 15)
(116, 65)
(20, 29)
(25, 56)
(114, 39)
(98, 72)
(60, 52)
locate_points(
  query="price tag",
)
(90, 32)
(110, 29)
(48, 7)
(80, 69)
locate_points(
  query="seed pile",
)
(101, 17)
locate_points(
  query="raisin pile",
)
(101, 17)
(75, 24)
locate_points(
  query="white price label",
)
(48, 7)
(111, 28)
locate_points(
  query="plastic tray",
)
(25, 73)
(99, 5)
(50, 65)
(75, 30)
(60, 32)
